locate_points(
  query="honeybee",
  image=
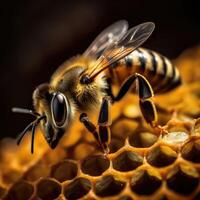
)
(85, 83)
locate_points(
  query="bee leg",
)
(109, 91)
(147, 106)
(149, 112)
(103, 134)
(89, 126)
(145, 92)
(104, 123)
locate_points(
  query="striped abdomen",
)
(159, 71)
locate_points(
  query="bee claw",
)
(106, 149)
(159, 130)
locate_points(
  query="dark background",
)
(37, 36)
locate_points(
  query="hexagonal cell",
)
(183, 179)
(77, 189)
(142, 139)
(95, 165)
(108, 186)
(64, 170)
(191, 151)
(37, 171)
(115, 144)
(123, 128)
(48, 189)
(146, 182)
(127, 161)
(161, 156)
(21, 190)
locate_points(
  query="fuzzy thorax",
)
(90, 95)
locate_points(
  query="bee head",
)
(56, 107)
(52, 111)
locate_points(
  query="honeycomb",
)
(143, 163)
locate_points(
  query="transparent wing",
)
(135, 37)
(108, 37)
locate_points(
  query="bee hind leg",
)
(147, 105)
(145, 93)
(102, 135)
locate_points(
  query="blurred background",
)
(37, 36)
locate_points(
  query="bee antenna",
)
(25, 111)
(21, 135)
(33, 125)
(33, 131)
(32, 138)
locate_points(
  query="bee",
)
(84, 84)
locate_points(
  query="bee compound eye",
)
(59, 109)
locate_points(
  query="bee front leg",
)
(89, 126)
(103, 134)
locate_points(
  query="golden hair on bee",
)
(84, 84)
(67, 77)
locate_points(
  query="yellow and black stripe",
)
(159, 71)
